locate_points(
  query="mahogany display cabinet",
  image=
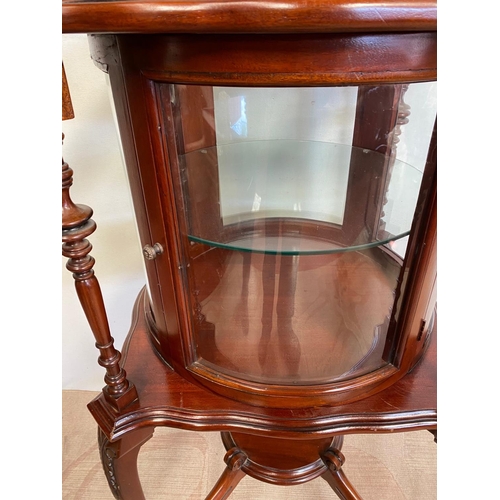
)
(282, 164)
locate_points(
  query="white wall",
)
(276, 177)
(91, 149)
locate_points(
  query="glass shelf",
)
(292, 197)
(290, 245)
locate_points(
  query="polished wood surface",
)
(67, 105)
(119, 461)
(307, 319)
(253, 436)
(77, 225)
(264, 59)
(166, 398)
(228, 480)
(374, 123)
(272, 16)
(159, 380)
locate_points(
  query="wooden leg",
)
(119, 460)
(231, 476)
(341, 485)
(336, 478)
(226, 484)
(434, 432)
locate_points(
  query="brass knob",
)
(151, 252)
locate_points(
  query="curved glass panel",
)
(296, 208)
(288, 197)
(292, 319)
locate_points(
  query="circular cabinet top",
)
(240, 16)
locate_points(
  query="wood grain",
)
(266, 60)
(270, 16)
(67, 106)
(77, 225)
(168, 399)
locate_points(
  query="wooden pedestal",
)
(279, 446)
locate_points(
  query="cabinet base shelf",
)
(167, 399)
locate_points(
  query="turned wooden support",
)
(404, 111)
(67, 105)
(375, 120)
(334, 459)
(232, 475)
(77, 225)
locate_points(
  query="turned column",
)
(378, 119)
(403, 113)
(77, 225)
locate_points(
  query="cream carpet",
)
(184, 465)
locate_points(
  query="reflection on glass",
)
(323, 114)
(293, 318)
(295, 237)
(300, 184)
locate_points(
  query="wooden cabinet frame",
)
(160, 383)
